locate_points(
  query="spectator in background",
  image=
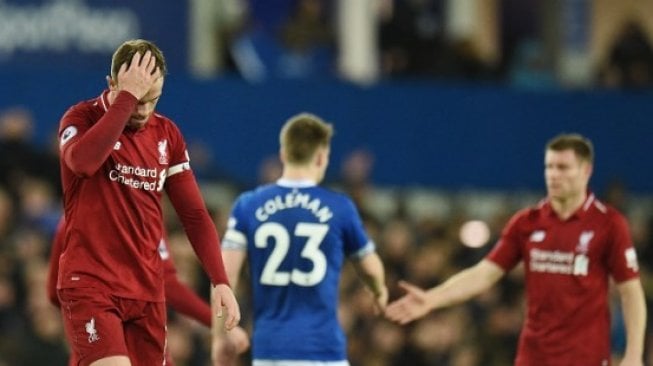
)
(571, 244)
(412, 39)
(307, 37)
(630, 61)
(355, 175)
(296, 236)
(299, 45)
(20, 156)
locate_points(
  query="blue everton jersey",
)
(297, 236)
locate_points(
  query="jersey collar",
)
(580, 212)
(296, 183)
(104, 100)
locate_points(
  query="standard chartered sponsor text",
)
(135, 177)
(553, 256)
(551, 261)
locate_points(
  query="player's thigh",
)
(92, 325)
(146, 336)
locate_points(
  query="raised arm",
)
(85, 154)
(458, 288)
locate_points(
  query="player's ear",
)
(111, 83)
(282, 155)
(589, 168)
(320, 157)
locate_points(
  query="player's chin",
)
(137, 123)
(555, 193)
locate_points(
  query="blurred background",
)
(441, 110)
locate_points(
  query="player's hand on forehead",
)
(139, 76)
(145, 63)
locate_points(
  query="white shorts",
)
(298, 363)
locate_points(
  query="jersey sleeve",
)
(179, 158)
(84, 148)
(185, 195)
(356, 241)
(622, 259)
(235, 238)
(507, 251)
(186, 198)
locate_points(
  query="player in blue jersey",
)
(296, 236)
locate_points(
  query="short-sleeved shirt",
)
(114, 217)
(297, 236)
(567, 265)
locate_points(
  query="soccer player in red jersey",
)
(178, 295)
(117, 158)
(571, 244)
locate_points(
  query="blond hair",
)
(302, 135)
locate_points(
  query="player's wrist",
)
(126, 96)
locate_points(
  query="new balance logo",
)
(117, 145)
(538, 236)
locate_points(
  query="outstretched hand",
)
(411, 306)
(139, 76)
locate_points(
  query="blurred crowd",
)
(527, 43)
(418, 232)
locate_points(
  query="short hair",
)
(126, 51)
(301, 136)
(581, 145)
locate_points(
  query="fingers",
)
(400, 312)
(225, 298)
(136, 60)
(408, 287)
(145, 63)
(151, 62)
(123, 69)
(233, 316)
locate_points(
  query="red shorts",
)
(99, 325)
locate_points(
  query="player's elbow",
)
(79, 165)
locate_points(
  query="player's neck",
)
(299, 173)
(565, 207)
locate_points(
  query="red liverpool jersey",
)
(567, 269)
(113, 181)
